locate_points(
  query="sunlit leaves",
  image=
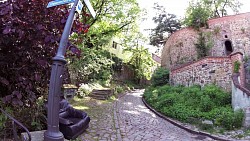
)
(114, 18)
(199, 11)
(141, 62)
(197, 15)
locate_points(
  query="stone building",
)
(226, 37)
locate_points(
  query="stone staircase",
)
(102, 94)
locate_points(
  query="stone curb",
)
(181, 126)
(117, 127)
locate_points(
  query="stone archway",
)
(228, 47)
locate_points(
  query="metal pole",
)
(53, 133)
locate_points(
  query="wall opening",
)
(228, 47)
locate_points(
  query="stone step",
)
(102, 94)
(99, 98)
(105, 92)
(96, 95)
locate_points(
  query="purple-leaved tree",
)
(30, 34)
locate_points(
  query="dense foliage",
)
(197, 15)
(200, 11)
(92, 65)
(219, 8)
(30, 34)
(166, 25)
(160, 77)
(141, 63)
(195, 103)
(29, 37)
(115, 18)
(236, 67)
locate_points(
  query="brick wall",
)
(206, 71)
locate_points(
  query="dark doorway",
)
(228, 46)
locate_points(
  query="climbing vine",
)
(203, 44)
(236, 66)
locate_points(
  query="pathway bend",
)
(128, 119)
(137, 123)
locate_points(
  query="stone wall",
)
(179, 48)
(235, 30)
(206, 71)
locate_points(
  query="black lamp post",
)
(53, 133)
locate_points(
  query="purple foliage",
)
(30, 35)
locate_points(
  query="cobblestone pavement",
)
(128, 119)
(138, 123)
(102, 126)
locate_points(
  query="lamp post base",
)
(53, 136)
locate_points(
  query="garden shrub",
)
(119, 89)
(160, 77)
(217, 95)
(206, 104)
(86, 88)
(166, 100)
(230, 119)
(189, 103)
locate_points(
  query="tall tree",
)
(197, 15)
(114, 18)
(199, 11)
(166, 25)
(141, 63)
(219, 7)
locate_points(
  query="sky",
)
(177, 7)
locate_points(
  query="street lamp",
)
(53, 133)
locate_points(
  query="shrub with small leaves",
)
(160, 77)
(189, 103)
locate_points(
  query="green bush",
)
(86, 89)
(160, 77)
(217, 95)
(230, 119)
(119, 89)
(166, 100)
(189, 103)
(206, 104)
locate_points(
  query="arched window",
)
(228, 47)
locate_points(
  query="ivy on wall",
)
(236, 66)
(203, 44)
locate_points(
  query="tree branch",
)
(118, 29)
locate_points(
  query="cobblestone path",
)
(128, 119)
(138, 123)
